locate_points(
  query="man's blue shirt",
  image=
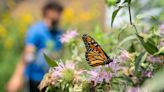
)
(39, 36)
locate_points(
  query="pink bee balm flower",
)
(125, 55)
(147, 73)
(61, 67)
(154, 59)
(134, 89)
(114, 66)
(68, 36)
(98, 76)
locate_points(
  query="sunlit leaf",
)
(110, 2)
(154, 36)
(148, 45)
(49, 61)
(122, 30)
(160, 52)
(114, 14)
(129, 38)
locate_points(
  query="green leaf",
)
(127, 78)
(155, 39)
(138, 60)
(118, 1)
(132, 48)
(49, 61)
(148, 45)
(114, 14)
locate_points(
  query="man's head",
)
(52, 11)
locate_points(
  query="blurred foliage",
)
(12, 32)
(138, 53)
(13, 29)
(85, 14)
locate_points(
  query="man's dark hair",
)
(53, 5)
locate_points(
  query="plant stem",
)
(130, 18)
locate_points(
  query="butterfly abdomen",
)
(108, 61)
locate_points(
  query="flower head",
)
(98, 76)
(154, 59)
(48, 80)
(68, 36)
(64, 71)
(125, 56)
(68, 72)
(147, 73)
(134, 89)
(114, 66)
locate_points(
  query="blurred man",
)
(32, 65)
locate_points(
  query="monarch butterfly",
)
(95, 55)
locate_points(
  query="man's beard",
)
(54, 27)
(55, 23)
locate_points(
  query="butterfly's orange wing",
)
(94, 54)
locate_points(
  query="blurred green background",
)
(17, 15)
